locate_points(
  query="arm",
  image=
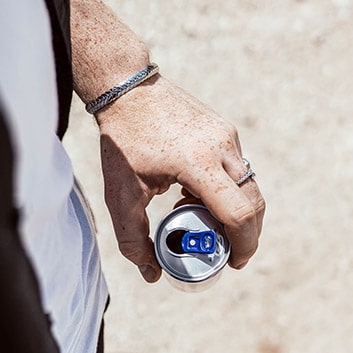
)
(104, 50)
(154, 136)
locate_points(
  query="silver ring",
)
(249, 173)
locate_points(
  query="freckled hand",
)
(157, 135)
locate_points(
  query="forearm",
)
(104, 50)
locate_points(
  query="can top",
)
(190, 244)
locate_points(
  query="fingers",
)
(131, 227)
(187, 199)
(127, 199)
(240, 212)
(236, 169)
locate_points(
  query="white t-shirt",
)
(56, 231)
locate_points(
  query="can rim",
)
(164, 264)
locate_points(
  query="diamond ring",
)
(248, 174)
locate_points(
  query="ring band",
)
(249, 173)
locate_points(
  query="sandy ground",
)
(282, 72)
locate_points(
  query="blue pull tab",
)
(199, 242)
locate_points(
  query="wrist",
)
(102, 75)
(121, 88)
(129, 107)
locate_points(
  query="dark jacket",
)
(24, 327)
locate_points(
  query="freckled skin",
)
(154, 136)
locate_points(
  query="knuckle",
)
(261, 206)
(227, 136)
(228, 139)
(230, 128)
(223, 135)
(242, 215)
(233, 131)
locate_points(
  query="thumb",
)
(127, 198)
(131, 226)
(132, 232)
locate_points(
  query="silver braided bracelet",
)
(121, 88)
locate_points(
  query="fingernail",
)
(148, 272)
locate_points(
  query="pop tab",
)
(199, 242)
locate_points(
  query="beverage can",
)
(191, 247)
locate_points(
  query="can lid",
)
(190, 244)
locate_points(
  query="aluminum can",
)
(191, 247)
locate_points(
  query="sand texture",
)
(281, 71)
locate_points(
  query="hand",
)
(157, 135)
